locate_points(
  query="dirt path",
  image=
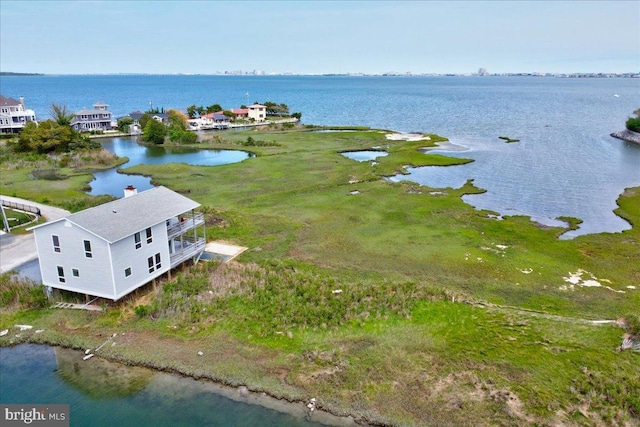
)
(541, 314)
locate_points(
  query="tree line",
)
(272, 109)
(54, 135)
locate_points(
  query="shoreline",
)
(238, 393)
(627, 135)
(445, 146)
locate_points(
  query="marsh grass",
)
(392, 347)
(18, 293)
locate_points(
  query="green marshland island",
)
(394, 303)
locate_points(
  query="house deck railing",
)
(189, 249)
(188, 223)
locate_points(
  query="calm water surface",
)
(102, 393)
(112, 182)
(365, 155)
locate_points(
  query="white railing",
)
(188, 223)
(188, 250)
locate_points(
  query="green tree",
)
(177, 120)
(214, 108)
(124, 124)
(192, 111)
(144, 119)
(182, 136)
(229, 114)
(274, 109)
(633, 123)
(61, 115)
(154, 132)
(156, 110)
(49, 136)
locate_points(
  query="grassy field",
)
(392, 302)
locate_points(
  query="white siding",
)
(94, 273)
(125, 255)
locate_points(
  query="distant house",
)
(99, 118)
(218, 117)
(135, 127)
(112, 249)
(257, 112)
(213, 121)
(161, 117)
(13, 115)
(241, 113)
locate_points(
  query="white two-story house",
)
(257, 112)
(110, 250)
(13, 115)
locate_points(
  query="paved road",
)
(19, 249)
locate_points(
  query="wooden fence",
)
(21, 207)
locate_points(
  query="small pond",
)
(364, 156)
(111, 182)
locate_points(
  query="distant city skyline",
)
(312, 37)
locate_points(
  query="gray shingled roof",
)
(121, 218)
(4, 101)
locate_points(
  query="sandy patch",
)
(407, 137)
(226, 249)
(576, 279)
(446, 146)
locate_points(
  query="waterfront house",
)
(13, 115)
(96, 119)
(113, 249)
(134, 128)
(241, 113)
(257, 112)
(213, 121)
(161, 118)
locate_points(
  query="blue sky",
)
(117, 36)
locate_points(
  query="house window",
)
(60, 274)
(75, 272)
(149, 238)
(56, 243)
(87, 249)
(127, 272)
(151, 265)
(158, 263)
(136, 237)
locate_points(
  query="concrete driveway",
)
(19, 249)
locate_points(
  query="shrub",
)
(633, 124)
(632, 322)
(142, 310)
(154, 132)
(21, 293)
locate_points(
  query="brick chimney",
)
(130, 190)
